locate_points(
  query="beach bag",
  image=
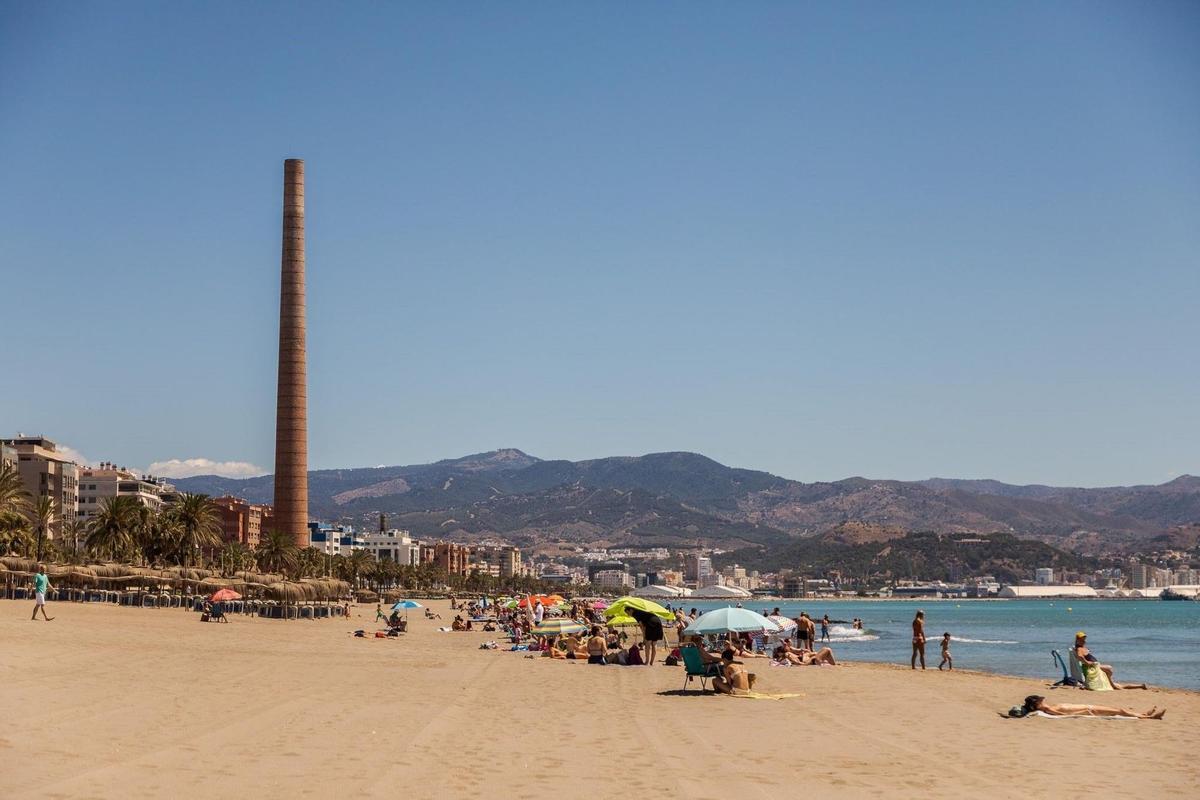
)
(204, 617)
(671, 661)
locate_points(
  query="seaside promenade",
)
(123, 702)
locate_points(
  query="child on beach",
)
(947, 661)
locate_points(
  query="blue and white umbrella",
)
(405, 604)
(736, 620)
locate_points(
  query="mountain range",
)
(686, 499)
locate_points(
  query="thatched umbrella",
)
(16, 564)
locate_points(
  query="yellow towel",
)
(752, 695)
(1094, 678)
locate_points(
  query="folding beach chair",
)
(1067, 678)
(694, 667)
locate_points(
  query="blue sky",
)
(892, 240)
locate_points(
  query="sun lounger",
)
(694, 667)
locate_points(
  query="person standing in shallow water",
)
(947, 661)
(918, 639)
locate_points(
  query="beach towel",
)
(753, 695)
(1094, 678)
(1055, 716)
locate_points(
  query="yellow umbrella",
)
(617, 609)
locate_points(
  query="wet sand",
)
(124, 702)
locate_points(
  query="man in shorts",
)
(802, 640)
(41, 585)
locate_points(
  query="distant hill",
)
(930, 555)
(684, 499)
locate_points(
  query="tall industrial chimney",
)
(291, 409)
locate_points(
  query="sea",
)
(1146, 641)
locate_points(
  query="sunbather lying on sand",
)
(1037, 703)
(803, 656)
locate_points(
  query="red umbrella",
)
(221, 595)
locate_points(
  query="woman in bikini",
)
(918, 639)
(1037, 703)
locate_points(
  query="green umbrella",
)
(617, 609)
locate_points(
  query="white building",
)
(106, 481)
(1038, 592)
(392, 545)
(1044, 576)
(613, 578)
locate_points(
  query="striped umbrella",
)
(784, 623)
(558, 627)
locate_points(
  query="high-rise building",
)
(46, 472)
(291, 409)
(1141, 575)
(703, 570)
(106, 481)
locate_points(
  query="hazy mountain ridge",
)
(684, 498)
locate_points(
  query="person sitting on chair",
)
(1085, 657)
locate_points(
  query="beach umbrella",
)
(558, 627)
(617, 609)
(599, 605)
(405, 605)
(784, 623)
(736, 620)
(221, 595)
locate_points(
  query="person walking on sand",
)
(947, 661)
(918, 639)
(41, 585)
(379, 615)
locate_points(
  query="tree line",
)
(188, 533)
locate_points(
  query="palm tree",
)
(199, 524)
(308, 562)
(41, 513)
(157, 537)
(73, 532)
(15, 533)
(276, 552)
(235, 557)
(13, 496)
(357, 564)
(115, 526)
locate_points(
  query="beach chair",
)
(1068, 679)
(694, 667)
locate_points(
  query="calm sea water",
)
(1149, 641)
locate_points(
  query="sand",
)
(127, 702)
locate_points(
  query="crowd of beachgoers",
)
(722, 646)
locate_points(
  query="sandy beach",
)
(124, 702)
